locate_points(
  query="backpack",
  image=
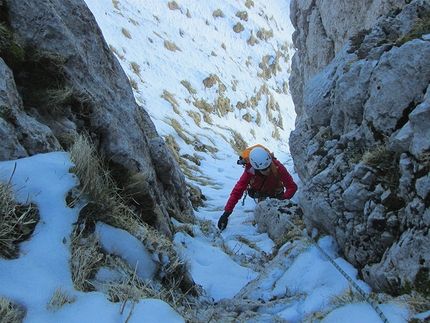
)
(244, 156)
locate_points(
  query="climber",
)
(264, 177)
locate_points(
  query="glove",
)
(280, 196)
(223, 220)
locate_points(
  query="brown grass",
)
(136, 68)
(169, 97)
(116, 4)
(242, 15)
(420, 28)
(385, 162)
(218, 14)
(195, 116)
(173, 5)
(126, 33)
(171, 46)
(99, 190)
(59, 299)
(17, 222)
(252, 40)
(249, 4)
(238, 143)
(188, 86)
(211, 80)
(10, 313)
(115, 51)
(264, 34)
(238, 28)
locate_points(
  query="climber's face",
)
(265, 171)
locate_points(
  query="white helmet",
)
(260, 158)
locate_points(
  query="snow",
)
(211, 268)
(120, 242)
(44, 179)
(43, 265)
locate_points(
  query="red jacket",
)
(269, 186)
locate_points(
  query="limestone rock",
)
(361, 142)
(273, 216)
(66, 34)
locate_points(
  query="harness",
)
(257, 193)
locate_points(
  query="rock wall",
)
(362, 143)
(322, 27)
(56, 48)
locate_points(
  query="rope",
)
(344, 274)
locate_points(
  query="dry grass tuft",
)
(252, 41)
(187, 137)
(94, 179)
(59, 299)
(348, 296)
(171, 46)
(218, 14)
(223, 105)
(242, 15)
(188, 86)
(417, 302)
(207, 227)
(169, 97)
(385, 162)
(134, 22)
(133, 83)
(264, 34)
(173, 5)
(136, 68)
(10, 313)
(186, 228)
(17, 222)
(126, 33)
(116, 4)
(291, 234)
(55, 99)
(203, 106)
(85, 260)
(238, 143)
(249, 4)
(196, 117)
(424, 159)
(238, 28)
(211, 80)
(421, 27)
(115, 51)
(104, 203)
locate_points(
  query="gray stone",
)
(274, 222)
(121, 130)
(355, 197)
(369, 92)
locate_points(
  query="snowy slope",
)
(169, 85)
(138, 31)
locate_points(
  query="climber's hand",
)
(280, 196)
(223, 220)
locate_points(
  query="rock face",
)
(61, 51)
(275, 218)
(362, 142)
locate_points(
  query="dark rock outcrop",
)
(62, 80)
